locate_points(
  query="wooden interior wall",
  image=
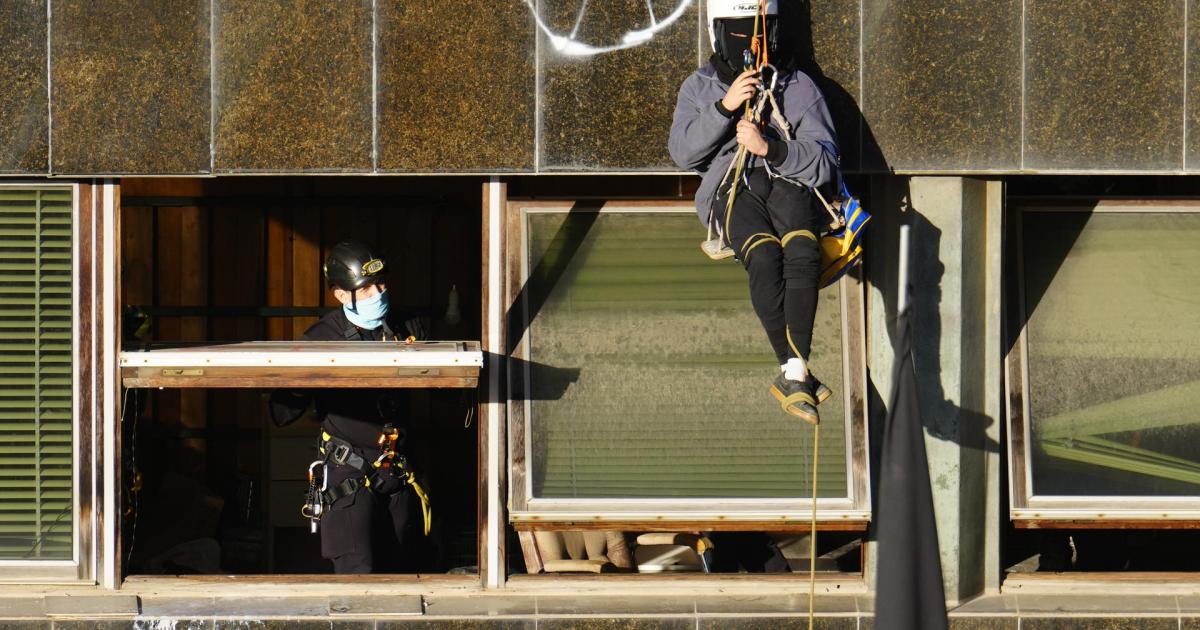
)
(248, 243)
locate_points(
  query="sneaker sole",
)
(823, 393)
(807, 417)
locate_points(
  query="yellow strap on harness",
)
(764, 239)
(794, 233)
(750, 239)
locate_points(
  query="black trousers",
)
(773, 229)
(351, 535)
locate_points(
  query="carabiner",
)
(324, 473)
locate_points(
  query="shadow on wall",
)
(857, 142)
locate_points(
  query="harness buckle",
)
(341, 453)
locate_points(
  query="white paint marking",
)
(568, 46)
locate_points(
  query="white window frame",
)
(87, 394)
(1058, 510)
(524, 508)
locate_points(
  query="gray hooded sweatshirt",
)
(703, 138)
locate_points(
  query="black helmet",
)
(353, 265)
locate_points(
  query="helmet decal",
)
(372, 267)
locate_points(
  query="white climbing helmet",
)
(719, 9)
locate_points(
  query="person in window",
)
(364, 485)
(774, 223)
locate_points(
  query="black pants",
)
(350, 536)
(773, 229)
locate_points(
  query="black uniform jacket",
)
(355, 415)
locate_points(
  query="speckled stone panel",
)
(942, 84)
(292, 624)
(456, 624)
(983, 623)
(93, 624)
(23, 112)
(832, 28)
(1192, 157)
(617, 623)
(133, 99)
(293, 85)
(1104, 84)
(1098, 623)
(778, 623)
(612, 111)
(12, 624)
(456, 95)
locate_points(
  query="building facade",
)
(174, 172)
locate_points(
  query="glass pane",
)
(36, 519)
(1114, 352)
(650, 371)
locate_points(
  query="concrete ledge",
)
(91, 606)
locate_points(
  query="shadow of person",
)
(890, 202)
(860, 152)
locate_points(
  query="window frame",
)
(461, 369)
(850, 512)
(87, 380)
(1029, 510)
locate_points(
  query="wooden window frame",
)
(526, 512)
(465, 368)
(1032, 511)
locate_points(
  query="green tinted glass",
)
(651, 372)
(1113, 307)
(36, 313)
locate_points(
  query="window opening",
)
(218, 283)
(1100, 368)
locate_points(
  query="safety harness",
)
(374, 464)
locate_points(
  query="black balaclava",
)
(733, 38)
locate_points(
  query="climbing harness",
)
(373, 466)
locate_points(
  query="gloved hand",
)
(387, 481)
(287, 406)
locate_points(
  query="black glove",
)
(288, 405)
(386, 481)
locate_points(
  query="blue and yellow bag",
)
(841, 247)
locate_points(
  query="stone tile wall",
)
(606, 612)
(529, 86)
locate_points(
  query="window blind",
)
(651, 371)
(1113, 330)
(36, 395)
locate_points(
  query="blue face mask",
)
(370, 312)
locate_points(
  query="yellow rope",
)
(812, 536)
(750, 114)
(426, 511)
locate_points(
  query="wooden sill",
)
(309, 364)
(799, 526)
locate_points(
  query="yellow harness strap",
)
(794, 233)
(766, 238)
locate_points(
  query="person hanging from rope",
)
(361, 475)
(757, 179)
